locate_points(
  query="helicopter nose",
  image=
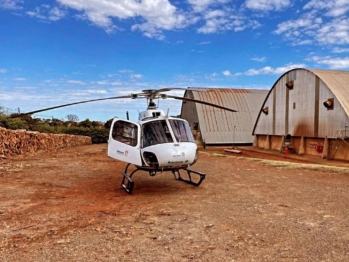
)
(151, 159)
(196, 157)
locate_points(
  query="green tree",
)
(13, 123)
(107, 124)
(86, 123)
(56, 122)
(72, 118)
(44, 128)
(97, 124)
(25, 118)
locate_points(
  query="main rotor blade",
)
(201, 102)
(166, 89)
(180, 88)
(70, 104)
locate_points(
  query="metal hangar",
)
(214, 126)
(306, 110)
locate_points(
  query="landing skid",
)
(189, 179)
(128, 184)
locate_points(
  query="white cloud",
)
(3, 70)
(196, 51)
(214, 14)
(334, 32)
(75, 82)
(297, 27)
(125, 71)
(116, 83)
(219, 16)
(136, 76)
(315, 26)
(333, 8)
(203, 5)
(215, 21)
(104, 82)
(155, 15)
(340, 50)
(46, 12)
(149, 30)
(268, 70)
(218, 20)
(11, 4)
(331, 62)
(259, 59)
(124, 74)
(200, 5)
(226, 73)
(205, 43)
(97, 91)
(268, 5)
(56, 14)
(152, 17)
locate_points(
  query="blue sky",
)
(56, 52)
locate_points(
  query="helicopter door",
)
(124, 141)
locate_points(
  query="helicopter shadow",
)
(162, 183)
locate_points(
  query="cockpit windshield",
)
(181, 130)
(156, 132)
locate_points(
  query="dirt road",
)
(68, 206)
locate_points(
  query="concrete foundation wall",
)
(331, 149)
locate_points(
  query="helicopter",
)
(156, 143)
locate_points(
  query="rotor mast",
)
(151, 94)
(151, 104)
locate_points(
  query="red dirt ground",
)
(68, 205)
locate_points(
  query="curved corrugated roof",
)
(221, 126)
(336, 80)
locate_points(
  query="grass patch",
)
(314, 167)
(218, 155)
(288, 165)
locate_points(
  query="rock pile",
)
(20, 142)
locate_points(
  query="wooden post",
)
(267, 143)
(282, 144)
(302, 147)
(255, 143)
(325, 150)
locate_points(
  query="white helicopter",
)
(157, 143)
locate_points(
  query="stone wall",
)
(21, 142)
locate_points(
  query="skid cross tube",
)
(189, 180)
(128, 184)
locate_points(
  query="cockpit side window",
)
(181, 130)
(125, 132)
(156, 132)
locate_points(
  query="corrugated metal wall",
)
(220, 126)
(300, 111)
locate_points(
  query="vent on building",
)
(329, 103)
(265, 110)
(289, 85)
